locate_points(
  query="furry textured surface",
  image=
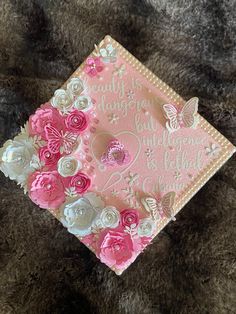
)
(190, 268)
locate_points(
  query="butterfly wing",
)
(171, 114)
(109, 48)
(103, 52)
(54, 139)
(150, 204)
(189, 112)
(167, 203)
(112, 53)
(69, 141)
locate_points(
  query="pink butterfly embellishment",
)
(60, 141)
(185, 117)
(160, 208)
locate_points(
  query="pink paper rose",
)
(45, 115)
(46, 189)
(76, 121)
(115, 248)
(81, 182)
(93, 66)
(49, 159)
(129, 217)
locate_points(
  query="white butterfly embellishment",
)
(59, 141)
(108, 53)
(162, 208)
(179, 118)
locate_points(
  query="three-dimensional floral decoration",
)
(49, 159)
(116, 235)
(44, 158)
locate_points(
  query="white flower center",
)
(48, 186)
(117, 247)
(80, 211)
(18, 158)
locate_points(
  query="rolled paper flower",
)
(75, 86)
(46, 189)
(76, 121)
(109, 217)
(17, 158)
(45, 115)
(129, 217)
(146, 227)
(47, 158)
(93, 66)
(83, 103)
(68, 166)
(80, 182)
(115, 154)
(79, 215)
(62, 100)
(115, 248)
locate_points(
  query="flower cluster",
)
(95, 65)
(44, 158)
(116, 236)
(71, 98)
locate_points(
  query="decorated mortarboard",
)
(114, 155)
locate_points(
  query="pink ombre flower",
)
(76, 121)
(45, 115)
(116, 154)
(115, 248)
(81, 182)
(129, 217)
(93, 66)
(46, 189)
(49, 159)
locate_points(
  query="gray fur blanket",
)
(190, 267)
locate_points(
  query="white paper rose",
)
(18, 158)
(75, 86)
(146, 227)
(109, 217)
(62, 100)
(68, 166)
(79, 215)
(83, 103)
